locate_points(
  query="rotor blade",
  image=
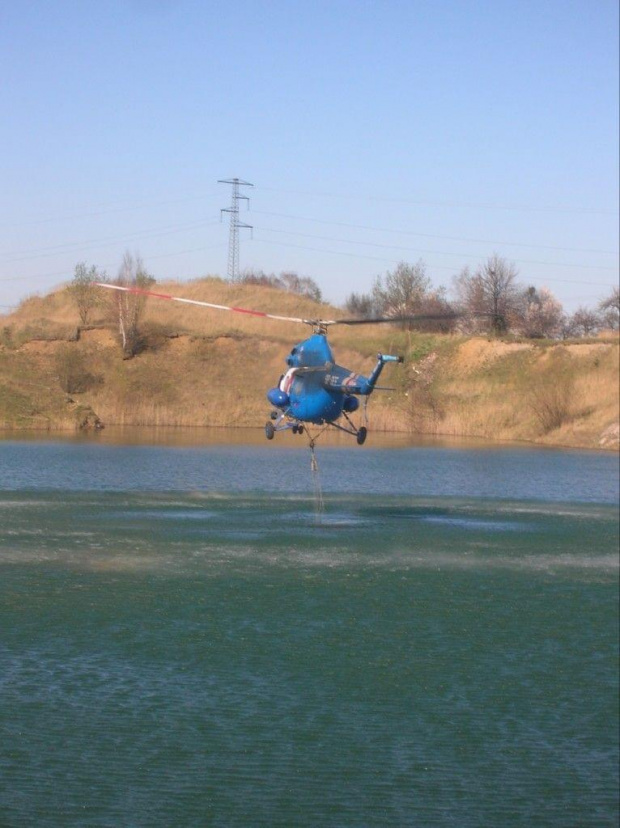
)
(386, 319)
(142, 292)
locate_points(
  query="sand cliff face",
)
(211, 371)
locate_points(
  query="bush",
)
(287, 281)
(6, 337)
(550, 397)
(72, 371)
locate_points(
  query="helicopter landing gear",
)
(269, 430)
(361, 436)
(297, 429)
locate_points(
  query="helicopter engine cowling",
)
(350, 404)
(278, 398)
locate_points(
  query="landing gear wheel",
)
(274, 415)
(269, 431)
(300, 429)
(361, 436)
(295, 429)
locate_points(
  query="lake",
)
(197, 632)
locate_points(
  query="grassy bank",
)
(199, 367)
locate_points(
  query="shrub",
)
(72, 371)
(550, 396)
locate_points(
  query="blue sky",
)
(373, 131)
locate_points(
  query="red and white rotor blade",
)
(142, 292)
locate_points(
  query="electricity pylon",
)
(235, 224)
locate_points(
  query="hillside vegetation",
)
(199, 367)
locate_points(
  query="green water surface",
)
(228, 659)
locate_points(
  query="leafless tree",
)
(302, 285)
(288, 281)
(567, 327)
(402, 291)
(585, 322)
(129, 307)
(540, 315)
(610, 310)
(361, 305)
(491, 293)
(406, 291)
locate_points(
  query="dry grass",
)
(548, 393)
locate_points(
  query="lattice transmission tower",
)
(235, 224)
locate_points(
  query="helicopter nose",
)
(277, 398)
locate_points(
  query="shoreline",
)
(254, 435)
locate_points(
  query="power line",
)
(393, 261)
(460, 204)
(435, 236)
(432, 252)
(105, 212)
(76, 247)
(59, 273)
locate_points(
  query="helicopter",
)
(314, 390)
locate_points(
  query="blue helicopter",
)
(314, 390)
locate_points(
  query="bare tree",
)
(361, 305)
(435, 303)
(541, 314)
(567, 327)
(302, 285)
(610, 310)
(249, 276)
(403, 290)
(288, 281)
(83, 290)
(129, 307)
(585, 322)
(492, 292)
(406, 291)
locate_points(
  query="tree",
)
(259, 277)
(406, 291)
(567, 327)
(361, 305)
(83, 290)
(610, 310)
(491, 292)
(403, 290)
(288, 281)
(302, 285)
(585, 322)
(129, 307)
(436, 304)
(541, 314)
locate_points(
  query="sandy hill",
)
(199, 367)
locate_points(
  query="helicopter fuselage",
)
(316, 390)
